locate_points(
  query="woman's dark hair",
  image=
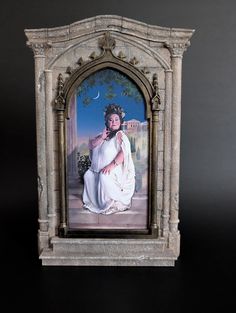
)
(113, 109)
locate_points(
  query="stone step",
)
(110, 247)
(107, 226)
(137, 203)
(49, 259)
(76, 196)
(110, 252)
(124, 219)
(135, 217)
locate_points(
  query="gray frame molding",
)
(159, 51)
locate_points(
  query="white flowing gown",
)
(109, 193)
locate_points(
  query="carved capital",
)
(39, 48)
(177, 49)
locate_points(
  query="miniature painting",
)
(107, 154)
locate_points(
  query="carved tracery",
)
(152, 100)
(77, 51)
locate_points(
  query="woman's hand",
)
(107, 169)
(105, 133)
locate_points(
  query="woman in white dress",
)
(110, 181)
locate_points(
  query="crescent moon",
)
(97, 96)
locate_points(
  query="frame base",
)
(108, 252)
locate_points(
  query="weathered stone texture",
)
(158, 50)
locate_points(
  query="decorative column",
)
(39, 58)
(155, 106)
(167, 152)
(177, 50)
(50, 153)
(60, 107)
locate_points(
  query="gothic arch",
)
(108, 60)
(152, 100)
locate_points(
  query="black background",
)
(200, 281)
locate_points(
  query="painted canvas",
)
(107, 154)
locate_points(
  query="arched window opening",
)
(87, 107)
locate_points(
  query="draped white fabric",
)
(109, 193)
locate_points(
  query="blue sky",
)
(90, 117)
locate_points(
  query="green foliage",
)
(105, 77)
(110, 93)
(83, 165)
(87, 101)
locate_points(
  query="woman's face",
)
(113, 122)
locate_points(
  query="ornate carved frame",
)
(152, 99)
(53, 89)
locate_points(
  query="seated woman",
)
(110, 181)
